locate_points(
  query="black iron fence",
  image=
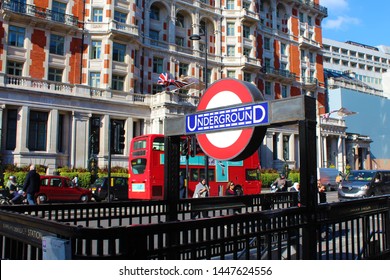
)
(266, 228)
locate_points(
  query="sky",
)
(363, 21)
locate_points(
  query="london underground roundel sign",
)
(233, 124)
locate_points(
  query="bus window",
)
(140, 144)
(194, 175)
(138, 165)
(158, 144)
(252, 175)
(211, 174)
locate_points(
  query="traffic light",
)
(193, 146)
(121, 138)
(184, 147)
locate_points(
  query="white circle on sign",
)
(227, 138)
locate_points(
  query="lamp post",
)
(197, 37)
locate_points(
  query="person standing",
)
(321, 192)
(230, 189)
(182, 185)
(31, 185)
(201, 190)
(75, 180)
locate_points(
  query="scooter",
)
(6, 198)
(274, 188)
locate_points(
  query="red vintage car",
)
(61, 189)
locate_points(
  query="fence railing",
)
(346, 230)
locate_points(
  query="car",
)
(118, 191)
(61, 189)
(364, 183)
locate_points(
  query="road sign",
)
(227, 120)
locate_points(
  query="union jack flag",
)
(164, 80)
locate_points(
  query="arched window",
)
(179, 20)
(154, 12)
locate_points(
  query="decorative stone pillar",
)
(80, 137)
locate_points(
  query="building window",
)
(97, 15)
(179, 20)
(284, 91)
(247, 77)
(283, 66)
(309, 21)
(267, 43)
(300, 16)
(55, 74)
(267, 63)
(286, 147)
(157, 88)
(157, 65)
(275, 146)
(283, 49)
(246, 5)
(230, 50)
(230, 4)
(117, 82)
(37, 131)
(183, 69)
(58, 11)
(16, 36)
(12, 119)
(179, 41)
(60, 133)
(95, 135)
(154, 35)
(154, 13)
(230, 29)
(120, 17)
(231, 74)
(14, 68)
(136, 58)
(118, 52)
(311, 57)
(247, 52)
(94, 79)
(246, 31)
(303, 55)
(96, 49)
(57, 44)
(267, 88)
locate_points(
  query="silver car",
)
(364, 183)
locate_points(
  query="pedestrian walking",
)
(31, 185)
(201, 190)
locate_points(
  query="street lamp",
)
(197, 37)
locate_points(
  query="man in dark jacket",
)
(31, 185)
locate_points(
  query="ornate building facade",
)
(73, 72)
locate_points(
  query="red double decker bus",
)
(146, 170)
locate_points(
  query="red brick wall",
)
(37, 54)
(74, 61)
(2, 34)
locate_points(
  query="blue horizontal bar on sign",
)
(228, 118)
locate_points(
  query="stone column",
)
(340, 153)
(80, 133)
(324, 152)
(52, 131)
(22, 130)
